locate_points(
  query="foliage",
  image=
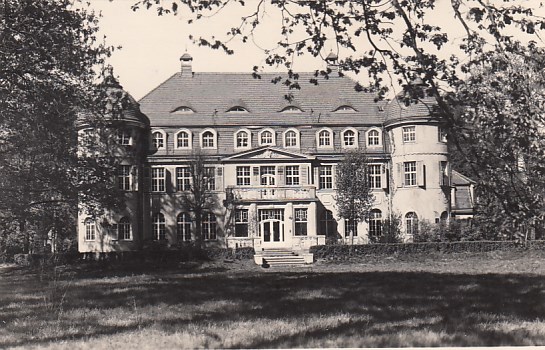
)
(48, 53)
(353, 196)
(453, 231)
(391, 229)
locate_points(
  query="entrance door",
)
(271, 227)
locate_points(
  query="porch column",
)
(312, 226)
(288, 224)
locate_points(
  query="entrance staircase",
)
(282, 257)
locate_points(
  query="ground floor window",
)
(124, 229)
(183, 227)
(90, 230)
(375, 223)
(328, 224)
(301, 221)
(159, 227)
(350, 228)
(241, 223)
(411, 223)
(209, 226)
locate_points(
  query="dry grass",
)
(494, 299)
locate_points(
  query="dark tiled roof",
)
(210, 95)
(461, 180)
(463, 199)
(398, 110)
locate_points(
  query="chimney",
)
(185, 61)
(332, 61)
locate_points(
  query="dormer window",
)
(183, 139)
(291, 138)
(158, 139)
(349, 138)
(373, 138)
(267, 138)
(208, 139)
(243, 139)
(291, 109)
(183, 110)
(345, 108)
(324, 138)
(237, 109)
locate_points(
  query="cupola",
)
(186, 61)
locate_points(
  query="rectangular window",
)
(183, 179)
(326, 176)
(375, 175)
(158, 181)
(210, 178)
(124, 177)
(123, 137)
(300, 222)
(241, 223)
(292, 175)
(243, 176)
(409, 134)
(442, 134)
(443, 174)
(209, 226)
(409, 173)
(89, 230)
(350, 228)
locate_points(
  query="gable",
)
(267, 153)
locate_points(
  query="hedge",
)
(341, 252)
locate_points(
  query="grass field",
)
(488, 299)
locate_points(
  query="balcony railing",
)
(272, 193)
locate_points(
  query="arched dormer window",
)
(291, 138)
(158, 139)
(349, 138)
(243, 139)
(324, 138)
(184, 139)
(345, 108)
(291, 109)
(183, 110)
(267, 137)
(237, 109)
(209, 139)
(374, 138)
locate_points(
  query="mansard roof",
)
(398, 111)
(212, 95)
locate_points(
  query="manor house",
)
(271, 153)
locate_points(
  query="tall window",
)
(409, 173)
(242, 139)
(325, 139)
(124, 229)
(243, 176)
(373, 138)
(158, 181)
(90, 230)
(266, 138)
(442, 134)
(328, 224)
(409, 133)
(267, 174)
(209, 226)
(375, 223)
(292, 175)
(183, 179)
(158, 140)
(326, 176)
(159, 227)
(183, 140)
(300, 222)
(411, 223)
(290, 139)
(350, 226)
(123, 137)
(241, 223)
(208, 139)
(349, 138)
(374, 174)
(183, 227)
(210, 178)
(124, 177)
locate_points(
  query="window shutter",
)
(400, 178)
(304, 175)
(281, 179)
(334, 174)
(134, 178)
(383, 177)
(219, 178)
(420, 174)
(255, 176)
(169, 186)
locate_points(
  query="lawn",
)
(488, 299)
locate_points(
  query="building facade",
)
(271, 154)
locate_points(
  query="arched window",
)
(350, 138)
(124, 229)
(242, 139)
(325, 138)
(183, 139)
(291, 138)
(159, 227)
(443, 220)
(208, 139)
(375, 223)
(267, 138)
(291, 109)
(183, 110)
(373, 138)
(158, 140)
(411, 223)
(237, 109)
(209, 226)
(345, 108)
(183, 228)
(90, 230)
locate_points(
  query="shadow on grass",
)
(374, 304)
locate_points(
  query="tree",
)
(394, 42)
(354, 195)
(48, 57)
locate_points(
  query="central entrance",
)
(271, 227)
